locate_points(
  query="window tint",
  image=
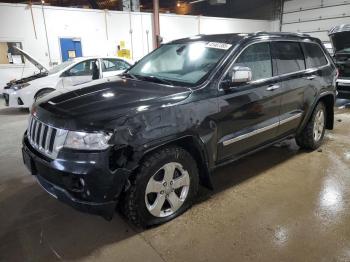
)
(111, 64)
(288, 57)
(257, 57)
(314, 55)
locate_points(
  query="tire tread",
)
(129, 204)
(305, 139)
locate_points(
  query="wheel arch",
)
(328, 99)
(42, 90)
(196, 148)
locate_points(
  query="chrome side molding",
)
(260, 130)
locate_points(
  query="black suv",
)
(147, 139)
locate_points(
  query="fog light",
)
(82, 182)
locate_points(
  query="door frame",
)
(72, 37)
(227, 140)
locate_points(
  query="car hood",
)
(341, 41)
(32, 60)
(31, 78)
(93, 105)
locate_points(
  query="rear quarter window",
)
(314, 56)
(288, 57)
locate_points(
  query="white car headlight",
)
(20, 86)
(87, 141)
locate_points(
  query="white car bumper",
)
(16, 99)
(343, 82)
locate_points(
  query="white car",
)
(23, 93)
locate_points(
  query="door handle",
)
(272, 87)
(311, 77)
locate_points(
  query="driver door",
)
(82, 72)
(250, 111)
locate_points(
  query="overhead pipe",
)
(31, 12)
(281, 14)
(47, 38)
(131, 40)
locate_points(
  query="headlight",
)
(87, 141)
(20, 86)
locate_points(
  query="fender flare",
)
(312, 108)
(199, 149)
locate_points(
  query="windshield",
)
(184, 64)
(60, 67)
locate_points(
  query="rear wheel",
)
(312, 136)
(164, 187)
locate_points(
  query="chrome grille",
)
(46, 139)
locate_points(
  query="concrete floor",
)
(281, 204)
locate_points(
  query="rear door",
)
(289, 62)
(318, 71)
(249, 113)
(113, 66)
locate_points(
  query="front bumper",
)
(15, 100)
(80, 179)
(343, 88)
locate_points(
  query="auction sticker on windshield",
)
(217, 45)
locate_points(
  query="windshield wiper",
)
(154, 79)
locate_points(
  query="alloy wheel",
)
(167, 190)
(319, 125)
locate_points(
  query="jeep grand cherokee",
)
(145, 140)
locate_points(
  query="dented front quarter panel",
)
(185, 115)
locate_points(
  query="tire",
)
(312, 136)
(42, 93)
(139, 203)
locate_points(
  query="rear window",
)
(288, 57)
(314, 56)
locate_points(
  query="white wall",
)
(179, 26)
(315, 17)
(101, 31)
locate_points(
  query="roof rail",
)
(280, 33)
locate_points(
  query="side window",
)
(111, 64)
(258, 58)
(314, 55)
(288, 57)
(85, 68)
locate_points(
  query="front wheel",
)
(312, 136)
(164, 187)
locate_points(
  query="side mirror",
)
(240, 75)
(65, 74)
(237, 75)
